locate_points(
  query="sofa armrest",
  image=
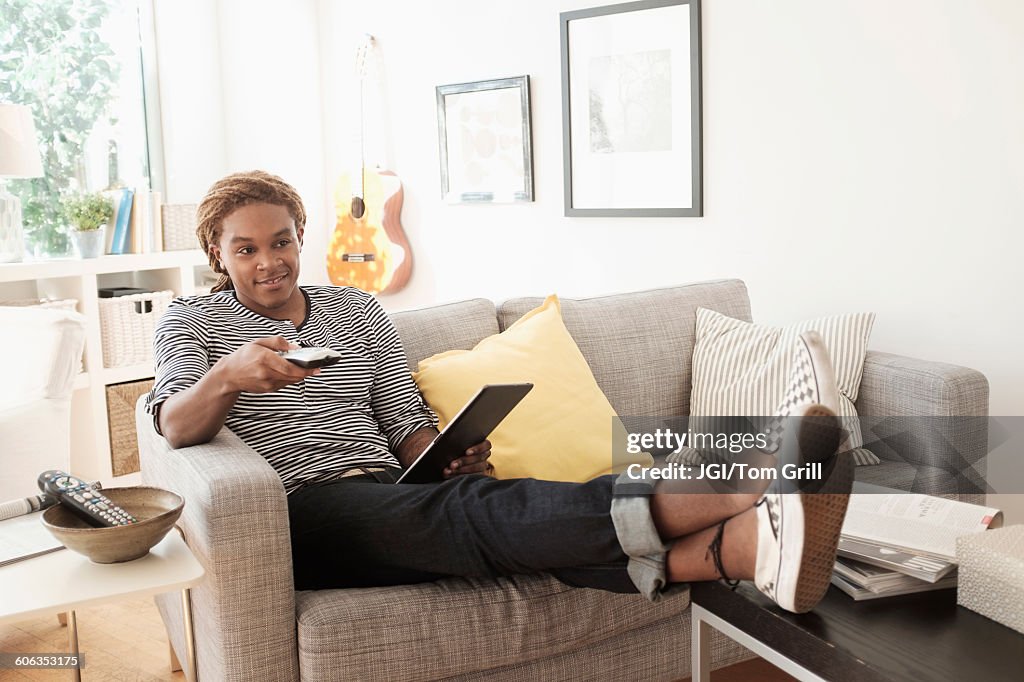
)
(236, 523)
(898, 385)
(931, 415)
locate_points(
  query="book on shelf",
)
(138, 222)
(114, 194)
(145, 231)
(122, 216)
(156, 228)
(922, 525)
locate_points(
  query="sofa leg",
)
(62, 618)
(175, 663)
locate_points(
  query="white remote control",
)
(311, 358)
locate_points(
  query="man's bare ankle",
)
(739, 545)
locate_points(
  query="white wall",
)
(859, 155)
(189, 73)
(240, 90)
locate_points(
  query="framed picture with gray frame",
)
(631, 109)
(484, 133)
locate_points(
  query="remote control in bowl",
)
(85, 501)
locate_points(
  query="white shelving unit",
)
(178, 271)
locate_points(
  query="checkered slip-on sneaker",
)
(797, 532)
(812, 380)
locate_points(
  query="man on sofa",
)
(339, 436)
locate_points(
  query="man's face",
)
(259, 248)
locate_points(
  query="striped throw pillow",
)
(741, 368)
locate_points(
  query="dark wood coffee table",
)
(914, 637)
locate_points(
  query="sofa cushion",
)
(429, 331)
(639, 345)
(458, 626)
(562, 430)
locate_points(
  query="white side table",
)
(64, 581)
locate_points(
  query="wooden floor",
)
(125, 641)
(120, 641)
(755, 670)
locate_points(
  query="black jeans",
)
(364, 531)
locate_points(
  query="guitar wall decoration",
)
(368, 248)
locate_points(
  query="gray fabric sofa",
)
(250, 624)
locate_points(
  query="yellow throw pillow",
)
(562, 430)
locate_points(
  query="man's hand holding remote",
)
(257, 367)
(196, 414)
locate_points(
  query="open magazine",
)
(903, 543)
(918, 524)
(22, 534)
(24, 537)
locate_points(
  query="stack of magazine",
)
(903, 543)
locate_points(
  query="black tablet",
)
(472, 425)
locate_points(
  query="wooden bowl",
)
(156, 510)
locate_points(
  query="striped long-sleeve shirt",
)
(355, 413)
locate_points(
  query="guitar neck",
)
(359, 169)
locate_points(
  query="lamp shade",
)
(19, 147)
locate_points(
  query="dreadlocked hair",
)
(232, 193)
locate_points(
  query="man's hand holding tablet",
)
(470, 427)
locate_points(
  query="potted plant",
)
(88, 214)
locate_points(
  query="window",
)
(80, 66)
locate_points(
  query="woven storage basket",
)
(124, 444)
(127, 324)
(179, 226)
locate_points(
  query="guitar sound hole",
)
(358, 207)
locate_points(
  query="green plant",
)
(89, 211)
(53, 58)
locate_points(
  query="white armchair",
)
(40, 356)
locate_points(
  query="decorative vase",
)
(88, 242)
